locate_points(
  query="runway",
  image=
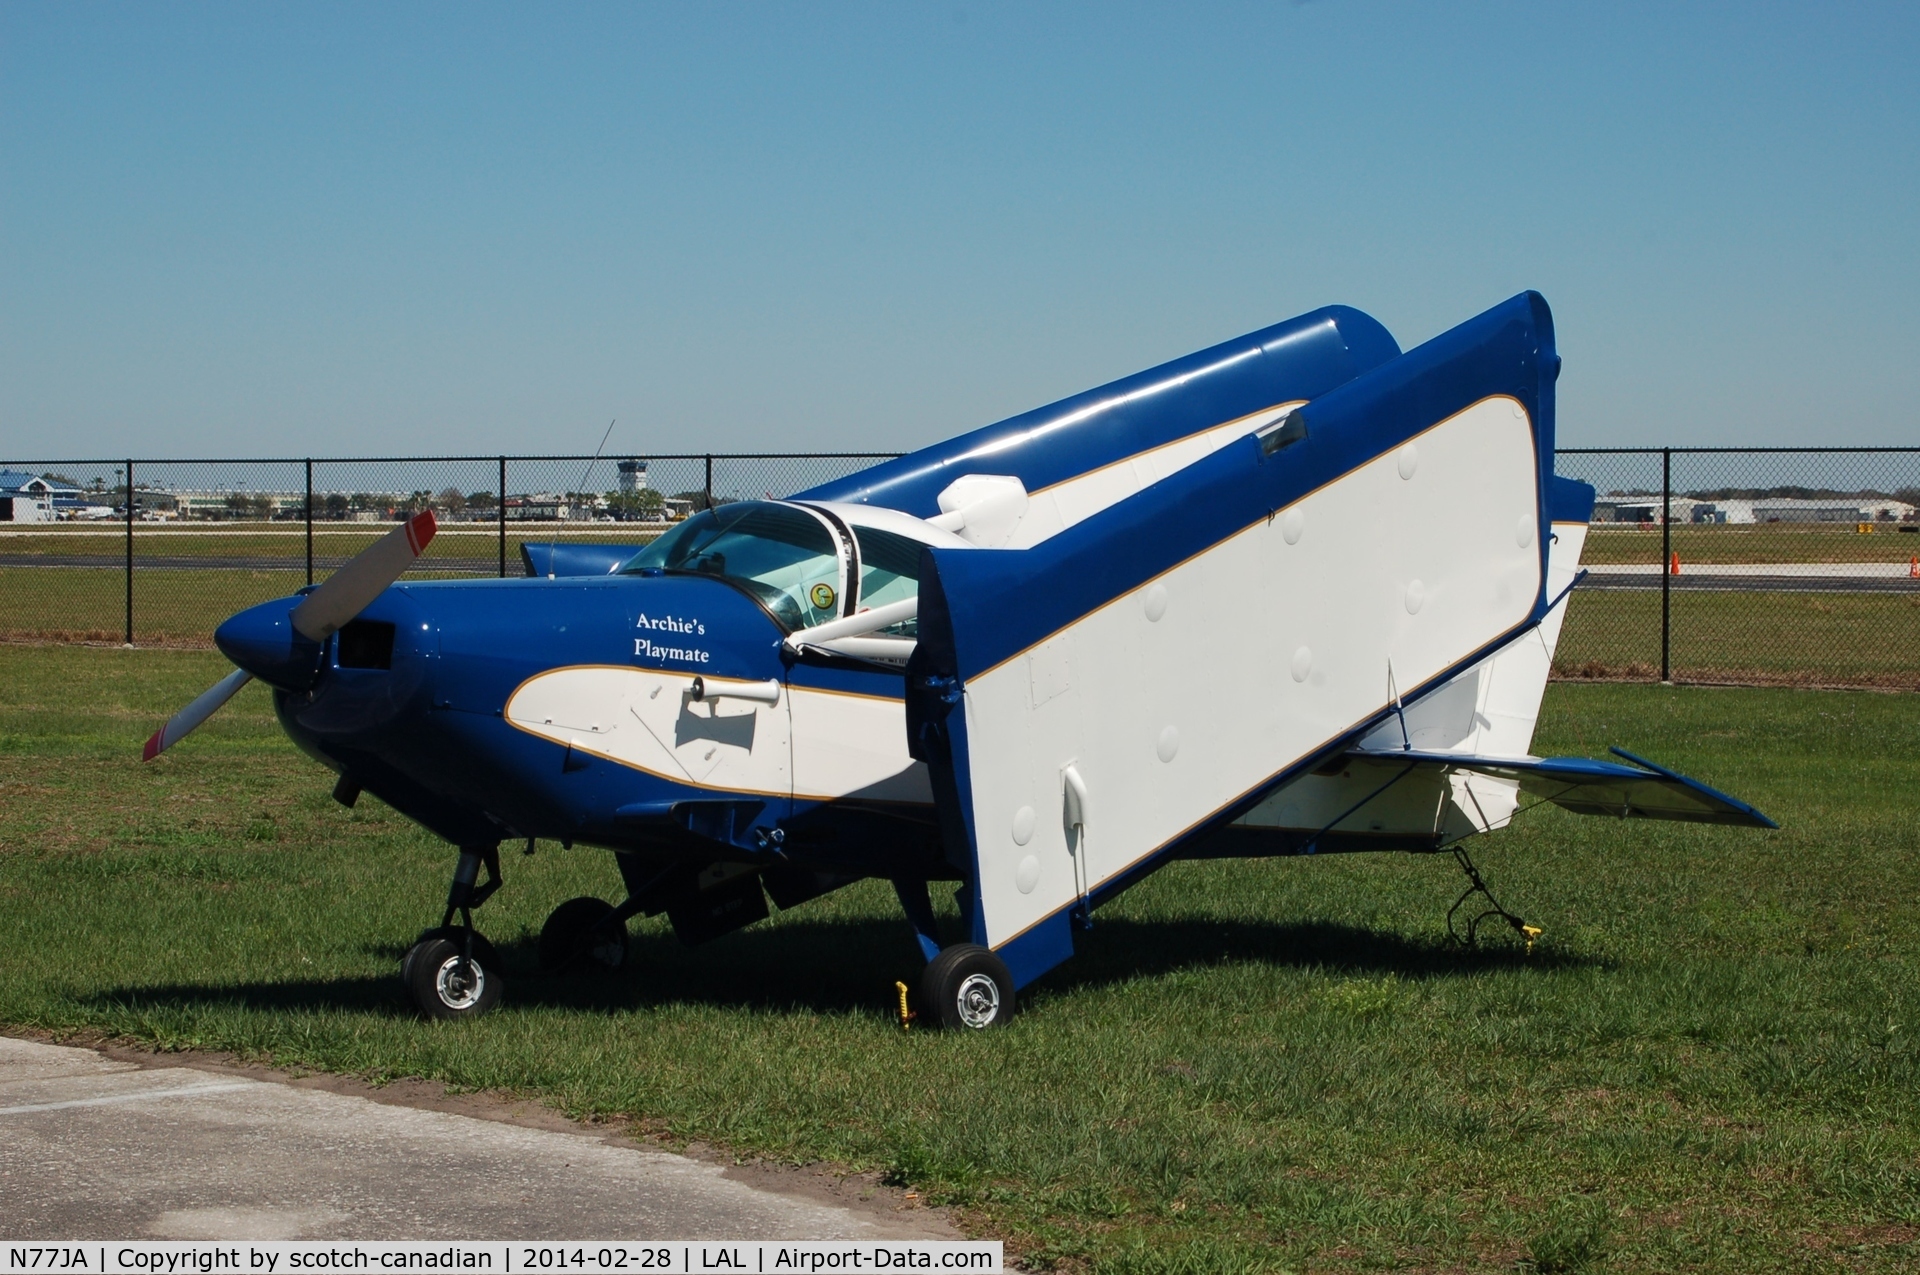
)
(1759, 577)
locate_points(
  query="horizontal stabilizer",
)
(1643, 790)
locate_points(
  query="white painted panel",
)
(847, 745)
(648, 719)
(1501, 695)
(1479, 803)
(1052, 510)
(1419, 570)
(1365, 796)
(1507, 685)
(1518, 675)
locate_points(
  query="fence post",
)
(309, 521)
(709, 486)
(129, 551)
(1666, 564)
(500, 507)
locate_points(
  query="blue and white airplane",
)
(1297, 593)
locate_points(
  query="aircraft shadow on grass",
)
(815, 967)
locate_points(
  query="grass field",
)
(332, 543)
(1762, 542)
(181, 605)
(1861, 639)
(1709, 1063)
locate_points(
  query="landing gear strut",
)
(451, 971)
(965, 986)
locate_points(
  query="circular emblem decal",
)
(822, 596)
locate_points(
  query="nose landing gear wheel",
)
(582, 933)
(967, 987)
(444, 983)
(457, 935)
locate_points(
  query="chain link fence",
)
(202, 539)
(1750, 566)
(1753, 566)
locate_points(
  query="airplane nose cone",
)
(262, 641)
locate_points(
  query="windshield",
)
(783, 556)
(889, 572)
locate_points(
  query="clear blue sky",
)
(338, 228)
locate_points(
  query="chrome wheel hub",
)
(979, 1000)
(458, 987)
(608, 954)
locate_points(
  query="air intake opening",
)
(366, 644)
(1284, 432)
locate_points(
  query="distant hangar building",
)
(1763, 509)
(32, 498)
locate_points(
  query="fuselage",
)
(567, 708)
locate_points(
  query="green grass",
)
(1709, 1063)
(1860, 639)
(171, 607)
(181, 606)
(1763, 542)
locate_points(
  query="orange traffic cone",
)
(1673, 568)
(1913, 566)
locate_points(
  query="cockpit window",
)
(784, 556)
(889, 572)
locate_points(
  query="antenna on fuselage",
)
(582, 488)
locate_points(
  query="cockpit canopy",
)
(796, 560)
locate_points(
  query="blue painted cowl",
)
(263, 641)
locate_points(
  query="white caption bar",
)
(494, 1257)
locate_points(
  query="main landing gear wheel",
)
(445, 983)
(579, 934)
(967, 987)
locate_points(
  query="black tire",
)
(444, 985)
(578, 936)
(483, 951)
(966, 988)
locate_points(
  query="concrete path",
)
(93, 1147)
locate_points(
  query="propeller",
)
(365, 577)
(317, 616)
(193, 714)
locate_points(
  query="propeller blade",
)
(193, 714)
(348, 591)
